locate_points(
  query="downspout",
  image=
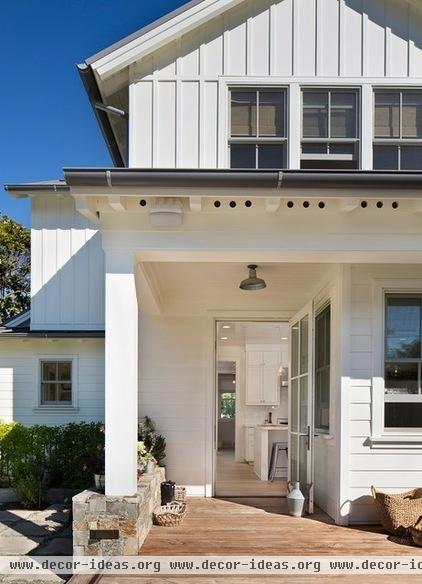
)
(101, 112)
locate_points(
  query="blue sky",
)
(46, 119)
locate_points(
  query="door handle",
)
(308, 438)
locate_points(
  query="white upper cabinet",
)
(179, 93)
(262, 377)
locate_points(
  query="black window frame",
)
(398, 143)
(259, 141)
(56, 382)
(330, 159)
(324, 315)
(409, 403)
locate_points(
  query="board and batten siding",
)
(178, 97)
(175, 385)
(389, 470)
(67, 274)
(19, 380)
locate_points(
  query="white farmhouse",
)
(285, 134)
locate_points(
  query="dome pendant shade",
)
(253, 282)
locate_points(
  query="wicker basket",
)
(416, 533)
(398, 512)
(170, 515)
(180, 494)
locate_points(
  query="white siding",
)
(67, 276)
(176, 117)
(19, 375)
(390, 470)
(175, 382)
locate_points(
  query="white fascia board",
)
(162, 34)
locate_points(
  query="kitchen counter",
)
(263, 446)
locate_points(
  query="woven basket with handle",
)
(170, 515)
(398, 512)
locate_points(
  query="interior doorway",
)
(251, 409)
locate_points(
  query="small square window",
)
(56, 382)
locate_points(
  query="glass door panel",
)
(301, 422)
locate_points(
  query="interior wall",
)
(250, 415)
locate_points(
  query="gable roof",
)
(140, 32)
(155, 35)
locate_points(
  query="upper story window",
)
(330, 135)
(258, 136)
(403, 362)
(398, 129)
(56, 382)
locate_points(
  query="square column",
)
(121, 374)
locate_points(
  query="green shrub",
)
(30, 490)
(58, 456)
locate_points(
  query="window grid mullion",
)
(401, 115)
(329, 116)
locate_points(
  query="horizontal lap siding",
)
(19, 373)
(387, 469)
(174, 379)
(178, 107)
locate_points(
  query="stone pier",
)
(115, 526)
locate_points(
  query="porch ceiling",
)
(198, 288)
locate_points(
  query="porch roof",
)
(261, 179)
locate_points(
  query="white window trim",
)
(380, 437)
(73, 407)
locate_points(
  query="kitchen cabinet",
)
(263, 377)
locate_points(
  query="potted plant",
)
(146, 461)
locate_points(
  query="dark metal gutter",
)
(90, 83)
(15, 333)
(58, 186)
(256, 179)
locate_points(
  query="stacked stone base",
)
(115, 526)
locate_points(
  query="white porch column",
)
(121, 374)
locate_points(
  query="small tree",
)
(14, 268)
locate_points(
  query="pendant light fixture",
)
(253, 282)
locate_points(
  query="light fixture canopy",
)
(253, 282)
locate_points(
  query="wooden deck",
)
(262, 527)
(238, 479)
(247, 526)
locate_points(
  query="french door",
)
(301, 423)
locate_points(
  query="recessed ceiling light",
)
(226, 326)
(223, 338)
(284, 339)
